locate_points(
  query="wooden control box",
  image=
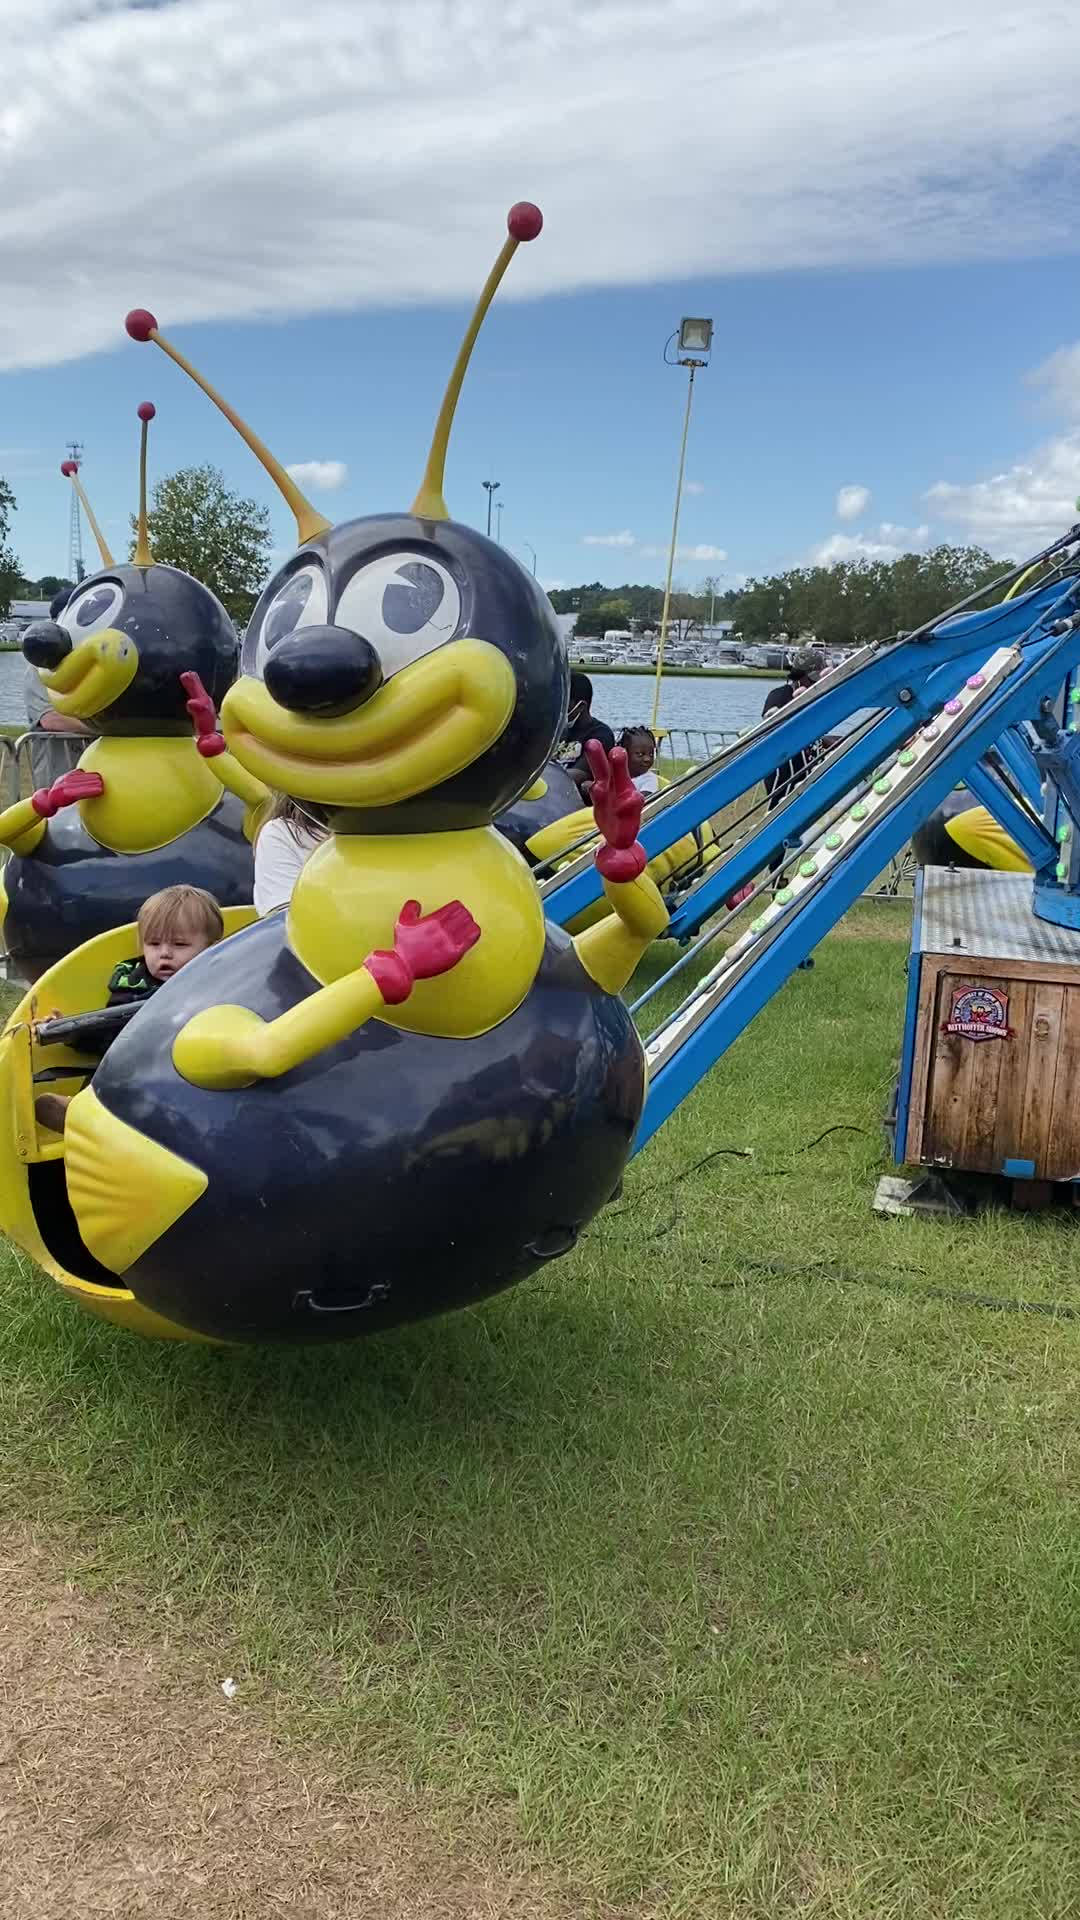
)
(990, 1070)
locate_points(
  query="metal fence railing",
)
(9, 773)
(40, 758)
(680, 745)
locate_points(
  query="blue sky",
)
(883, 285)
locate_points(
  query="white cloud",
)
(623, 539)
(1060, 376)
(702, 552)
(266, 181)
(694, 486)
(321, 476)
(886, 542)
(1020, 508)
(851, 502)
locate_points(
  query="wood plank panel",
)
(950, 1079)
(991, 1060)
(1012, 1084)
(930, 969)
(1044, 1039)
(1065, 1116)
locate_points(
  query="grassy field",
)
(726, 1569)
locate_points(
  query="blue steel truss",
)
(973, 698)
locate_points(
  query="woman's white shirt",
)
(281, 853)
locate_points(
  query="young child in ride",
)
(639, 744)
(175, 926)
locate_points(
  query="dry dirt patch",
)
(130, 1785)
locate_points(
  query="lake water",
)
(714, 706)
(622, 699)
(12, 685)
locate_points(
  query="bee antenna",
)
(142, 326)
(523, 222)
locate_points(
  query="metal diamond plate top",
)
(966, 911)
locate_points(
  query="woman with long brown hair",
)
(285, 840)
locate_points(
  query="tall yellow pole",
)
(671, 555)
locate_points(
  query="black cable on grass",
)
(842, 1126)
(718, 1153)
(747, 1153)
(847, 1276)
(844, 1276)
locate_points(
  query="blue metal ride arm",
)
(1058, 757)
(788, 822)
(813, 797)
(893, 677)
(687, 1045)
(1015, 751)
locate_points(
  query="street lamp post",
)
(531, 549)
(491, 488)
(499, 505)
(695, 346)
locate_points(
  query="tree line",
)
(847, 604)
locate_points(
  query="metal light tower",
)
(76, 566)
(695, 346)
(499, 505)
(491, 488)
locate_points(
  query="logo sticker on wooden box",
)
(979, 1013)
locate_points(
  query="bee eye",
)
(301, 601)
(404, 604)
(87, 612)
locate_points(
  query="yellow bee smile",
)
(427, 723)
(92, 675)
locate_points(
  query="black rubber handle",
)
(309, 1302)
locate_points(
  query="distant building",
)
(29, 610)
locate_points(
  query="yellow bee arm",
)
(21, 827)
(233, 1047)
(610, 950)
(236, 779)
(549, 841)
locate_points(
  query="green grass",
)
(726, 1565)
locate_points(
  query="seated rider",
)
(582, 726)
(639, 745)
(174, 925)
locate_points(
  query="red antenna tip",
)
(524, 222)
(140, 323)
(146, 410)
(68, 467)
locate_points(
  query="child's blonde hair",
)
(180, 909)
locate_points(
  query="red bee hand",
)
(201, 708)
(616, 805)
(70, 787)
(423, 948)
